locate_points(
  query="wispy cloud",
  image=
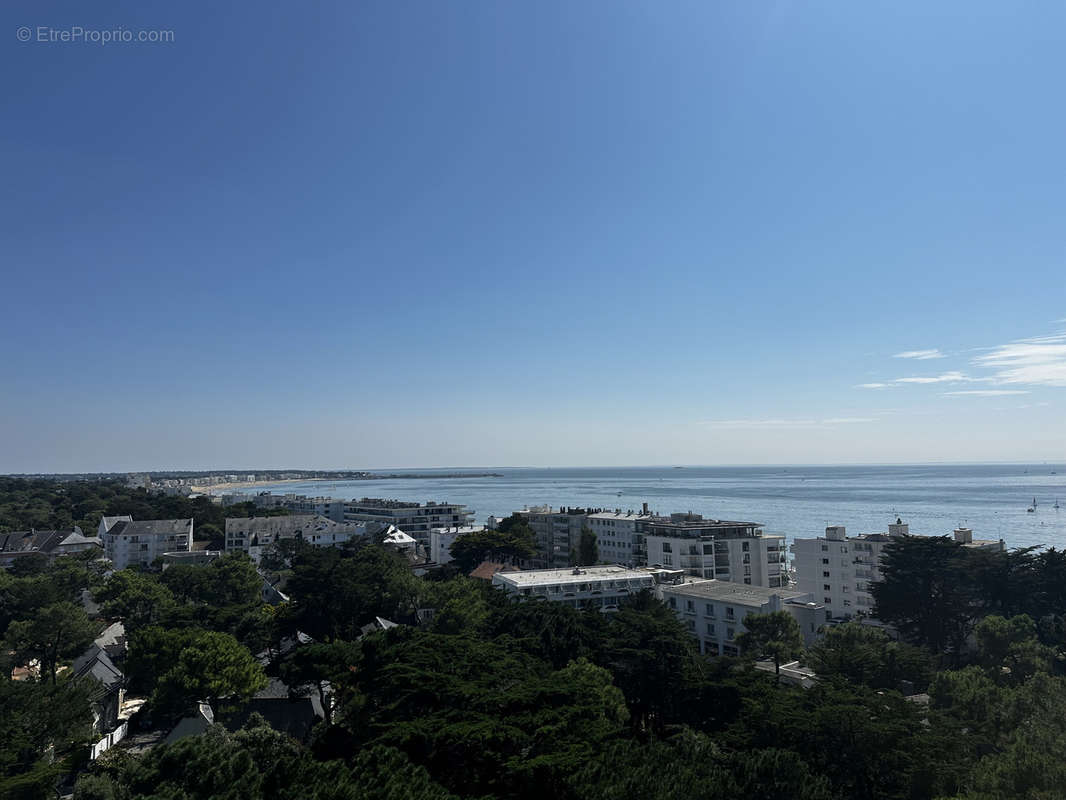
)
(986, 393)
(945, 377)
(920, 355)
(872, 386)
(786, 423)
(1038, 361)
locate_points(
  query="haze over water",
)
(794, 501)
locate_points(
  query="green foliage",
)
(229, 580)
(135, 597)
(37, 714)
(53, 634)
(776, 636)
(1010, 650)
(209, 666)
(337, 591)
(867, 655)
(255, 763)
(588, 549)
(508, 545)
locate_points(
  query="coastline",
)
(221, 488)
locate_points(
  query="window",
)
(673, 602)
(690, 606)
(729, 612)
(692, 624)
(668, 560)
(828, 600)
(747, 580)
(825, 560)
(710, 628)
(825, 574)
(730, 632)
(744, 547)
(667, 547)
(825, 548)
(827, 588)
(709, 609)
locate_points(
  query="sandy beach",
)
(222, 488)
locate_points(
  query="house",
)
(131, 543)
(110, 689)
(254, 535)
(26, 544)
(599, 587)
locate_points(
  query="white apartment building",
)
(129, 543)
(414, 519)
(620, 535)
(838, 570)
(442, 539)
(601, 587)
(714, 611)
(717, 549)
(253, 535)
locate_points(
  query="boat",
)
(1032, 508)
(619, 494)
(1056, 506)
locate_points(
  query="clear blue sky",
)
(545, 233)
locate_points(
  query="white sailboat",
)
(1032, 508)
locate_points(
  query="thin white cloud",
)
(986, 393)
(872, 386)
(786, 423)
(1037, 361)
(945, 377)
(920, 355)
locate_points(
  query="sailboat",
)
(1056, 506)
(1032, 508)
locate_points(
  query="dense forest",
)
(490, 698)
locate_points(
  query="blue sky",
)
(552, 233)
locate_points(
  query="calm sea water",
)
(794, 501)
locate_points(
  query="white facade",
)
(717, 549)
(839, 570)
(714, 611)
(128, 543)
(620, 536)
(599, 587)
(558, 533)
(442, 539)
(253, 535)
(328, 507)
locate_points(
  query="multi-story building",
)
(601, 587)
(129, 543)
(414, 519)
(714, 611)
(620, 535)
(558, 533)
(253, 535)
(328, 507)
(719, 549)
(839, 570)
(442, 539)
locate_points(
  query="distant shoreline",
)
(218, 488)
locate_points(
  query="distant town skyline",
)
(467, 236)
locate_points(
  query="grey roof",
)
(152, 527)
(95, 663)
(31, 541)
(740, 593)
(109, 521)
(113, 639)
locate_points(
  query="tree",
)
(929, 592)
(1009, 648)
(55, 632)
(137, 598)
(508, 546)
(36, 716)
(212, 666)
(318, 667)
(588, 550)
(776, 636)
(866, 655)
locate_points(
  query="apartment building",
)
(620, 535)
(714, 611)
(129, 543)
(716, 549)
(601, 587)
(414, 519)
(328, 507)
(839, 570)
(558, 532)
(253, 535)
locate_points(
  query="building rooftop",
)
(631, 515)
(739, 593)
(540, 577)
(151, 527)
(459, 529)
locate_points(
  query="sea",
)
(795, 501)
